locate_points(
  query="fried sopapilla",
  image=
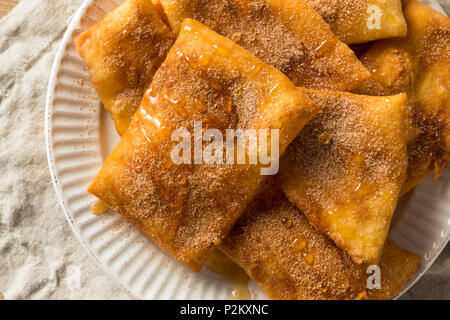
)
(420, 66)
(187, 208)
(346, 168)
(287, 34)
(278, 248)
(123, 52)
(356, 21)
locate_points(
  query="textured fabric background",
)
(39, 255)
(445, 4)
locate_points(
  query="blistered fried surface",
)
(356, 21)
(189, 209)
(123, 52)
(287, 34)
(291, 260)
(346, 168)
(420, 66)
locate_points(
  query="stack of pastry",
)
(354, 134)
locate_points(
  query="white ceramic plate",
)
(80, 134)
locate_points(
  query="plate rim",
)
(74, 21)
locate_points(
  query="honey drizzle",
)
(99, 207)
(219, 263)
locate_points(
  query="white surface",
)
(39, 255)
(75, 156)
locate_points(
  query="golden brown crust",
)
(345, 169)
(161, 12)
(397, 266)
(189, 209)
(287, 34)
(420, 66)
(353, 21)
(123, 52)
(284, 254)
(290, 259)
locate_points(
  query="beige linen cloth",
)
(40, 258)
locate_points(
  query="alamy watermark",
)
(374, 19)
(250, 146)
(374, 280)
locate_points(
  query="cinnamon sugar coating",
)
(123, 52)
(354, 21)
(346, 168)
(420, 66)
(287, 34)
(291, 260)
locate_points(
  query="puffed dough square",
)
(287, 34)
(123, 52)
(346, 168)
(420, 66)
(188, 209)
(358, 21)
